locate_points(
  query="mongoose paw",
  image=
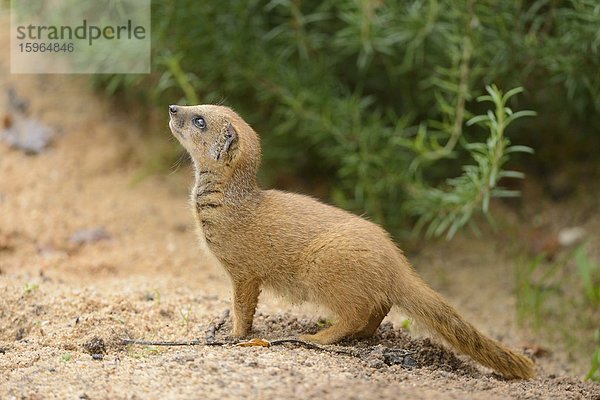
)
(317, 338)
(240, 333)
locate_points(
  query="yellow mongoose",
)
(307, 250)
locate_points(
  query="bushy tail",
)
(429, 308)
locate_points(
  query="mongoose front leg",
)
(245, 299)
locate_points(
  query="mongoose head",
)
(216, 138)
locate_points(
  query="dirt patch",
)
(88, 257)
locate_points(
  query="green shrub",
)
(372, 96)
(559, 300)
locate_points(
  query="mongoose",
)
(307, 250)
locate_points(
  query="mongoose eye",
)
(199, 122)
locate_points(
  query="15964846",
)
(42, 47)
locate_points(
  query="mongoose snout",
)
(175, 123)
(307, 250)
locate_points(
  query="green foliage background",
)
(373, 96)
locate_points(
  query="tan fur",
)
(307, 250)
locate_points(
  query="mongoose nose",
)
(172, 109)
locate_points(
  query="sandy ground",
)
(65, 305)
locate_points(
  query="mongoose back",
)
(307, 250)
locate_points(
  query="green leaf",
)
(499, 192)
(477, 119)
(519, 149)
(511, 174)
(519, 114)
(511, 93)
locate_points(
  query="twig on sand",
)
(128, 341)
(209, 337)
(401, 356)
(249, 343)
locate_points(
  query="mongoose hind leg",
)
(245, 299)
(336, 332)
(374, 321)
(353, 322)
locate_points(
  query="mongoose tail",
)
(431, 310)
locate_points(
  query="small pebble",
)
(28, 135)
(89, 235)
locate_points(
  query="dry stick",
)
(278, 342)
(209, 337)
(126, 341)
(210, 340)
(313, 346)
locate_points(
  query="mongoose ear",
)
(231, 136)
(222, 145)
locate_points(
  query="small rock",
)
(97, 356)
(90, 235)
(28, 135)
(95, 346)
(570, 236)
(381, 356)
(409, 362)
